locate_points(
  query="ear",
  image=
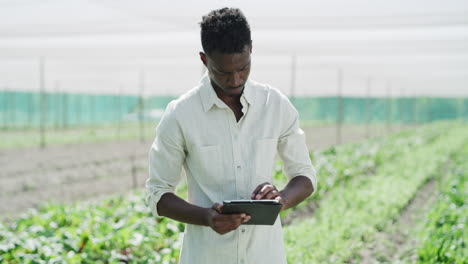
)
(203, 58)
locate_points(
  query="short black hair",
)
(225, 30)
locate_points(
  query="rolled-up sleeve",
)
(292, 149)
(166, 158)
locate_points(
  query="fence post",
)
(42, 103)
(339, 116)
(401, 108)
(65, 110)
(134, 172)
(293, 79)
(79, 113)
(13, 108)
(141, 105)
(119, 118)
(429, 109)
(389, 108)
(5, 111)
(30, 110)
(460, 109)
(57, 105)
(368, 107)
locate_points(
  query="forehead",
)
(229, 61)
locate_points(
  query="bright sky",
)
(407, 47)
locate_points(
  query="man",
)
(225, 133)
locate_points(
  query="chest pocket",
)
(209, 166)
(265, 153)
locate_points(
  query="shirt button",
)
(239, 167)
(243, 230)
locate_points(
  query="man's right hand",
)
(224, 223)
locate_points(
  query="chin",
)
(234, 91)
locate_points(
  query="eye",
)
(219, 72)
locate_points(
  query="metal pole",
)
(429, 109)
(79, 113)
(7, 109)
(30, 109)
(13, 108)
(401, 108)
(389, 108)
(134, 172)
(460, 109)
(368, 107)
(141, 105)
(119, 118)
(416, 110)
(65, 110)
(293, 79)
(339, 117)
(93, 109)
(42, 103)
(57, 105)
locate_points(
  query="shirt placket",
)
(242, 231)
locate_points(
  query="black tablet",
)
(262, 212)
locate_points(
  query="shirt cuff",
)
(312, 177)
(152, 199)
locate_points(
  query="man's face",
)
(228, 72)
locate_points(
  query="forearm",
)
(296, 191)
(174, 207)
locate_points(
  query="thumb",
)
(217, 207)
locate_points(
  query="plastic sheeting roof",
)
(410, 47)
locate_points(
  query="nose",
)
(236, 79)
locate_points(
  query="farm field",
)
(370, 191)
(98, 167)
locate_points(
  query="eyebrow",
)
(243, 67)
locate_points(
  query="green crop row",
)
(445, 233)
(123, 229)
(339, 164)
(356, 209)
(115, 231)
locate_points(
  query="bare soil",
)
(68, 173)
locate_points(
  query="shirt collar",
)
(210, 98)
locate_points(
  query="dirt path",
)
(67, 173)
(397, 243)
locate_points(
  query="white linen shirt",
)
(225, 160)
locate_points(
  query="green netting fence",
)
(406, 110)
(19, 109)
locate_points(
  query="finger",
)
(259, 187)
(228, 223)
(281, 201)
(272, 194)
(217, 207)
(237, 220)
(224, 219)
(264, 191)
(247, 218)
